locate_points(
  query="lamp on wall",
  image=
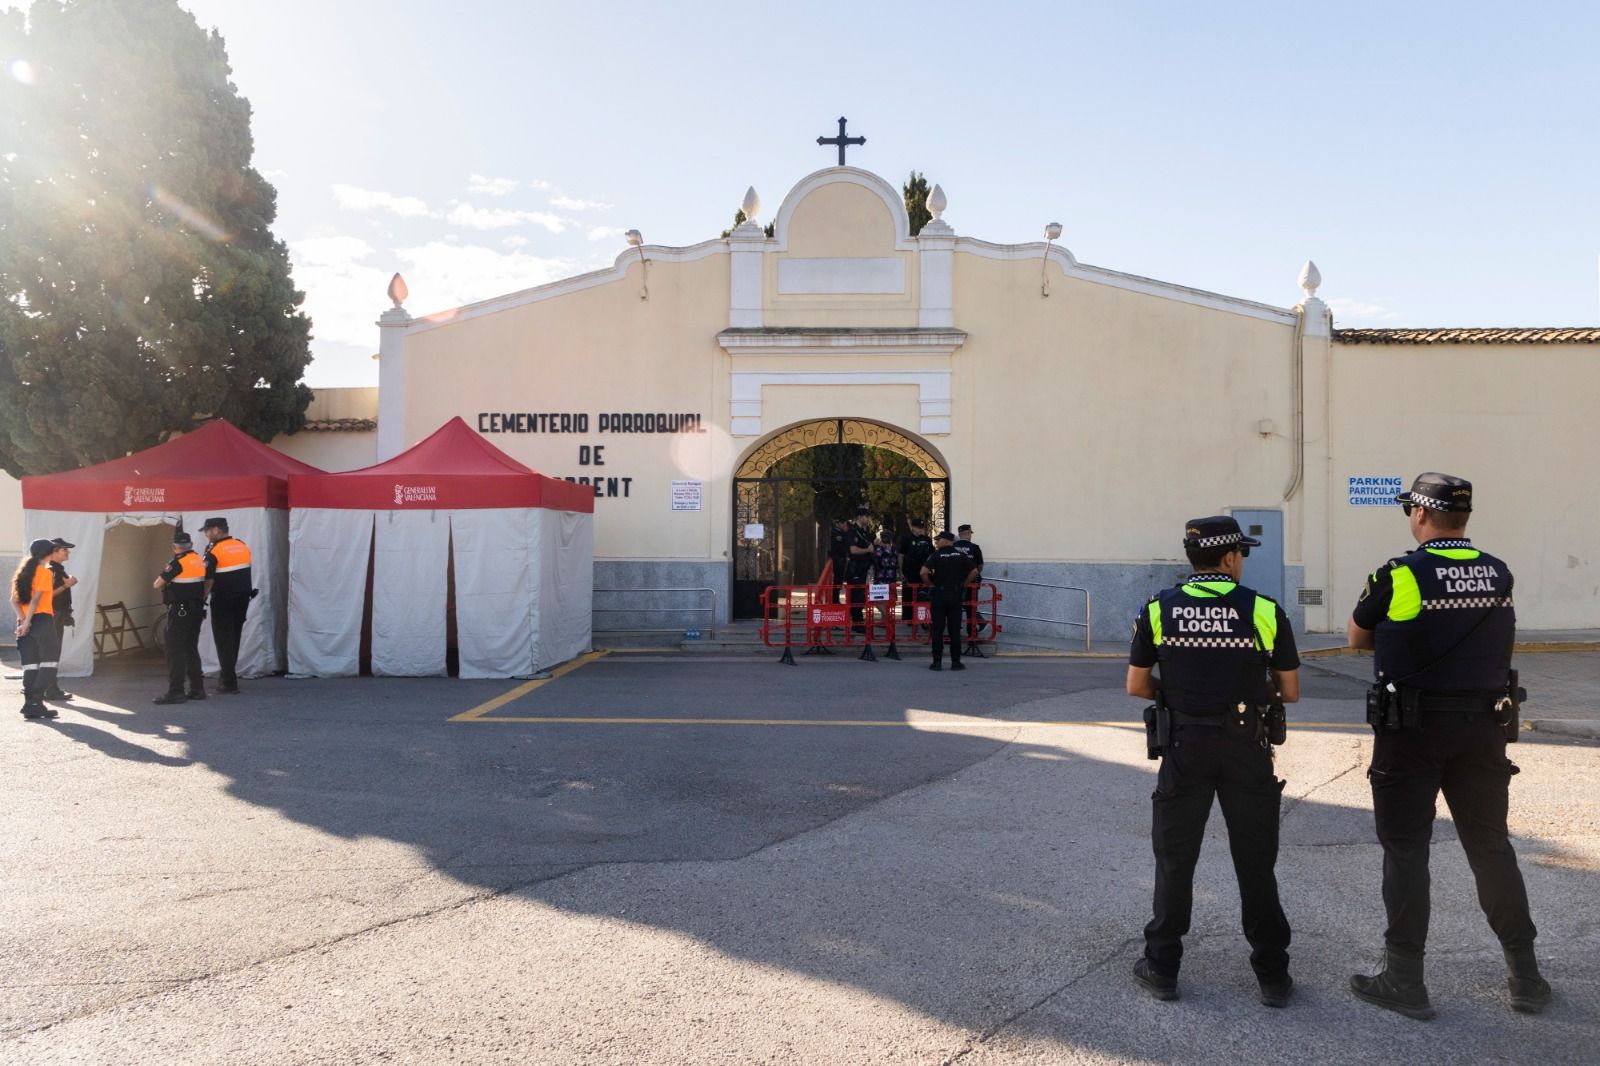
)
(1052, 233)
(635, 239)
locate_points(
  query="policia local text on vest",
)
(183, 590)
(1441, 624)
(1227, 663)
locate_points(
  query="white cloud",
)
(344, 294)
(515, 242)
(567, 203)
(503, 218)
(1348, 309)
(605, 233)
(345, 288)
(352, 198)
(443, 276)
(478, 185)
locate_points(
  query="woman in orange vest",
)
(38, 640)
(183, 590)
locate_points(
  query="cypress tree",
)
(142, 291)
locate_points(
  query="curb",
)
(1587, 728)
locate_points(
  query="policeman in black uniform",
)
(858, 565)
(915, 547)
(183, 590)
(63, 604)
(949, 572)
(1224, 652)
(839, 552)
(965, 545)
(1441, 622)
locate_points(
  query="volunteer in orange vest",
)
(183, 590)
(38, 639)
(228, 578)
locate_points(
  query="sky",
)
(1437, 160)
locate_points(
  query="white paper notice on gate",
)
(878, 593)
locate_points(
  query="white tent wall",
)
(260, 652)
(566, 586)
(496, 552)
(327, 589)
(88, 531)
(410, 586)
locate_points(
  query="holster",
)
(1157, 728)
(1508, 712)
(1389, 709)
(1275, 723)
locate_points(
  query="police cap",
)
(182, 539)
(1439, 492)
(214, 523)
(40, 548)
(1218, 531)
(863, 511)
(944, 534)
(58, 542)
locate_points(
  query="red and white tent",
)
(520, 544)
(213, 470)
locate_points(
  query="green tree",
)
(738, 219)
(915, 191)
(141, 289)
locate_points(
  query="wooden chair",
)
(115, 625)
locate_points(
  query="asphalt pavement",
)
(684, 859)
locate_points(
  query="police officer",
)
(1224, 651)
(183, 590)
(949, 572)
(228, 577)
(839, 552)
(38, 639)
(965, 545)
(63, 603)
(858, 565)
(915, 547)
(1441, 622)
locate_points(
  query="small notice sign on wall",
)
(686, 495)
(1375, 491)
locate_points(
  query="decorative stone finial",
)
(1310, 279)
(937, 202)
(397, 290)
(751, 205)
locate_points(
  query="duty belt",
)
(1437, 704)
(1215, 721)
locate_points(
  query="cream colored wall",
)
(1090, 424)
(600, 350)
(840, 221)
(328, 450)
(1511, 419)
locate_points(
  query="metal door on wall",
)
(1263, 569)
(788, 490)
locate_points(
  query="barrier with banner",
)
(818, 619)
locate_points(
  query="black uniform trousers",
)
(946, 618)
(227, 623)
(1202, 762)
(183, 647)
(1463, 755)
(40, 652)
(856, 587)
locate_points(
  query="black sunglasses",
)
(1408, 508)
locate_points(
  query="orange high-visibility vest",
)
(230, 554)
(191, 569)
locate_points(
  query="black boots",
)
(35, 711)
(1398, 988)
(1530, 993)
(1159, 985)
(1276, 993)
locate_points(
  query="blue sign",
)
(1375, 491)
(691, 634)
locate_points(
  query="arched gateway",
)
(790, 486)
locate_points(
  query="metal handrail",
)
(1088, 613)
(711, 628)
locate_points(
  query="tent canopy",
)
(452, 469)
(215, 467)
